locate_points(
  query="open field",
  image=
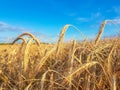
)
(87, 65)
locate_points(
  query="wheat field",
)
(86, 65)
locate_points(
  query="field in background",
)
(86, 65)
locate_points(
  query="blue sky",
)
(45, 18)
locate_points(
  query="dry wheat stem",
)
(26, 55)
(62, 34)
(44, 59)
(48, 71)
(19, 38)
(71, 58)
(32, 36)
(100, 32)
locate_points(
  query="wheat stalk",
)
(31, 35)
(71, 58)
(100, 32)
(114, 87)
(19, 38)
(61, 38)
(43, 60)
(62, 34)
(26, 55)
(51, 82)
(43, 79)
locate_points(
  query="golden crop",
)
(88, 65)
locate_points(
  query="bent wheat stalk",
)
(19, 38)
(84, 67)
(43, 79)
(43, 60)
(62, 34)
(32, 36)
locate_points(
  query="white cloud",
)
(114, 21)
(94, 16)
(4, 27)
(10, 31)
(81, 19)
